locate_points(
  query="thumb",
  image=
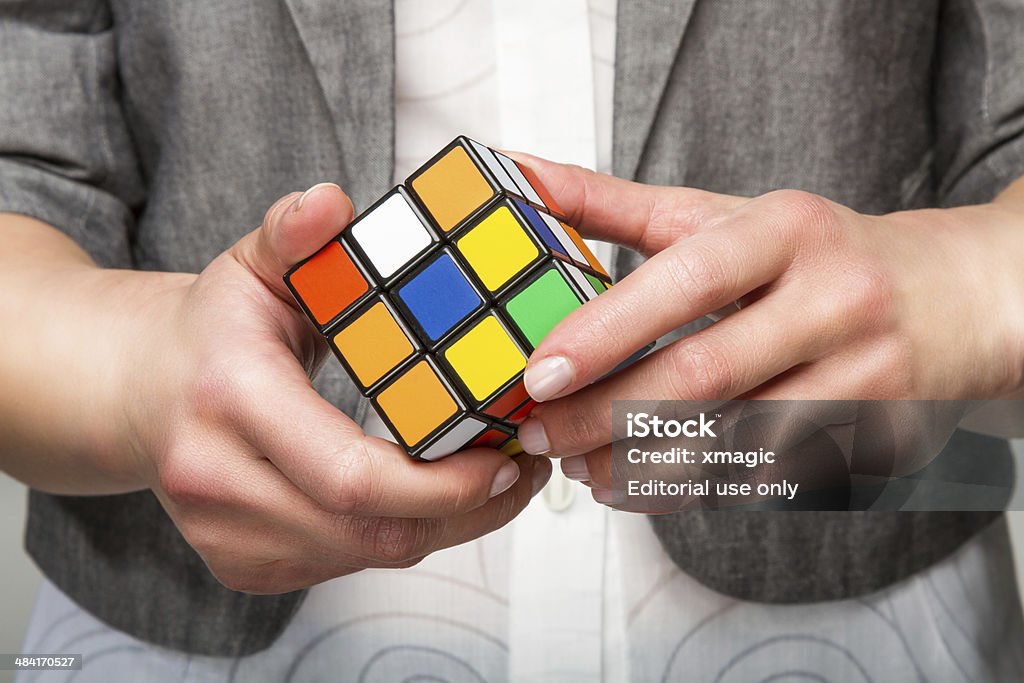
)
(295, 227)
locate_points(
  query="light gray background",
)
(20, 577)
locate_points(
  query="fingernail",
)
(541, 474)
(546, 378)
(608, 496)
(533, 438)
(309, 193)
(575, 468)
(503, 480)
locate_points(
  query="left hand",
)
(924, 304)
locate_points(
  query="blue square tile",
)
(438, 297)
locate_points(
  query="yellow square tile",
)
(498, 248)
(485, 358)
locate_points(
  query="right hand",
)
(273, 486)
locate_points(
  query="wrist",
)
(71, 331)
(142, 364)
(110, 320)
(980, 294)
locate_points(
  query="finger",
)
(392, 540)
(860, 372)
(593, 468)
(720, 362)
(341, 540)
(499, 511)
(576, 468)
(295, 227)
(272, 404)
(678, 285)
(231, 501)
(260, 501)
(645, 218)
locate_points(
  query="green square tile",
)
(542, 305)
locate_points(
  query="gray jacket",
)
(156, 133)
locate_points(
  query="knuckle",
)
(175, 480)
(699, 277)
(572, 427)
(675, 213)
(460, 496)
(221, 387)
(868, 295)
(185, 482)
(698, 371)
(659, 219)
(354, 487)
(666, 214)
(603, 320)
(801, 208)
(204, 536)
(395, 541)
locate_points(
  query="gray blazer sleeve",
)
(978, 99)
(65, 154)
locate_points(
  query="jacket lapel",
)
(351, 45)
(649, 33)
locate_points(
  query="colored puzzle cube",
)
(435, 296)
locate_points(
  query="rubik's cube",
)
(435, 296)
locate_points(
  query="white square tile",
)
(563, 238)
(457, 437)
(391, 235)
(524, 185)
(581, 281)
(495, 167)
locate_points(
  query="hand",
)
(835, 305)
(270, 483)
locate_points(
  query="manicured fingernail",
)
(503, 480)
(309, 193)
(533, 438)
(609, 496)
(575, 468)
(541, 474)
(545, 379)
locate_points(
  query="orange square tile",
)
(452, 188)
(417, 403)
(373, 344)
